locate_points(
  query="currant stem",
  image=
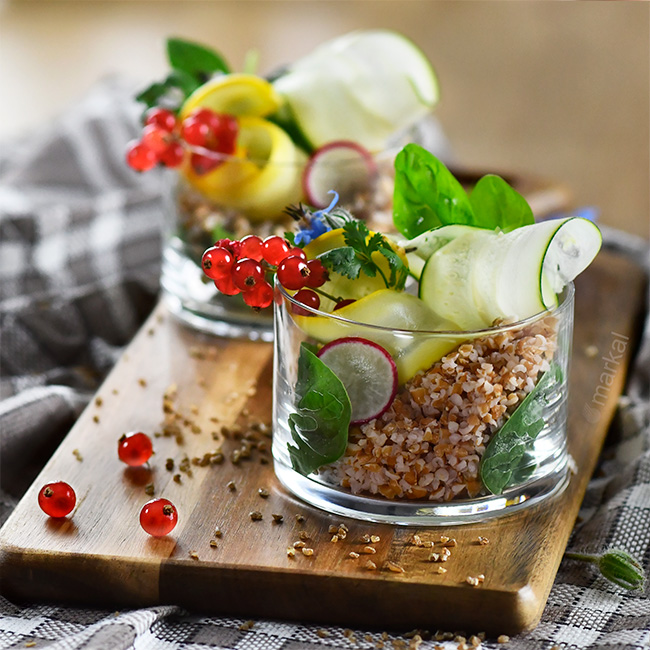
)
(327, 295)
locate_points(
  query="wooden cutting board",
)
(100, 555)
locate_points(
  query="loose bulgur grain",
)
(395, 568)
(255, 515)
(353, 554)
(277, 518)
(370, 565)
(503, 638)
(483, 541)
(307, 551)
(369, 550)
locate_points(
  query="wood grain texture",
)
(101, 555)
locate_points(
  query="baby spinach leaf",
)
(194, 59)
(426, 194)
(319, 425)
(497, 205)
(507, 458)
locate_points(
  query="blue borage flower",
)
(317, 224)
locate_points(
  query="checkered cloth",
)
(79, 265)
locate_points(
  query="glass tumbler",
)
(242, 197)
(476, 428)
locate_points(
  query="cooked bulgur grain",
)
(429, 443)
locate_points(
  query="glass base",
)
(198, 304)
(422, 513)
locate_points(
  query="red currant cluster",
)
(208, 136)
(158, 517)
(242, 267)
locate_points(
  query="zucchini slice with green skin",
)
(484, 275)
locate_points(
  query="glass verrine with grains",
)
(244, 147)
(427, 384)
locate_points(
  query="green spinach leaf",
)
(319, 426)
(507, 458)
(194, 59)
(497, 205)
(426, 194)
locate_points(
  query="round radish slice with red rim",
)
(368, 373)
(343, 166)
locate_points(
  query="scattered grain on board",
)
(149, 489)
(194, 555)
(96, 419)
(231, 486)
(307, 551)
(277, 518)
(77, 454)
(264, 493)
(353, 554)
(142, 382)
(248, 625)
(370, 565)
(503, 638)
(483, 541)
(395, 568)
(299, 544)
(300, 518)
(441, 569)
(255, 515)
(322, 633)
(213, 543)
(291, 552)
(369, 550)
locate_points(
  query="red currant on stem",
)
(251, 246)
(158, 517)
(318, 274)
(173, 155)
(134, 448)
(275, 249)
(308, 298)
(293, 272)
(247, 273)
(297, 251)
(233, 245)
(343, 303)
(155, 138)
(140, 157)
(57, 499)
(162, 118)
(260, 296)
(195, 132)
(217, 262)
(203, 164)
(226, 285)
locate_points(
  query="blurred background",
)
(559, 90)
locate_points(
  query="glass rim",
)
(378, 156)
(565, 299)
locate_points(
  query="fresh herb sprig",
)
(615, 565)
(362, 254)
(192, 65)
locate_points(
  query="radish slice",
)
(344, 166)
(368, 373)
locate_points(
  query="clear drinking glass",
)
(194, 221)
(430, 458)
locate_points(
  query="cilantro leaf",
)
(319, 426)
(362, 253)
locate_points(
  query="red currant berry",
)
(225, 133)
(343, 303)
(217, 262)
(162, 118)
(203, 164)
(207, 117)
(293, 272)
(308, 298)
(233, 245)
(275, 249)
(134, 448)
(155, 138)
(57, 499)
(297, 251)
(260, 296)
(226, 285)
(195, 132)
(140, 157)
(247, 273)
(251, 246)
(173, 155)
(318, 274)
(158, 517)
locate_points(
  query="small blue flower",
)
(317, 225)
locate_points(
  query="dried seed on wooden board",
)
(255, 515)
(395, 568)
(277, 518)
(263, 492)
(291, 552)
(96, 419)
(149, 489)
(353, 554)
(474, 582)
(483, 541)
(217, 532)
(248, 625)
(332, 530)
(177, 478)
(375, 538)
(366, 539)
(307, 551)
(213, 543)
(303, 535)
(300, 518)
(216, 458)
(370, 565)
(77, 454)
(450, 543)
(441, 569)
(474, 641)
(369, 550)
(231, 486)
(503, 638)
(99, 401)
(194, 555)
(142, 382)
(169, 464)
(335, 539)
(299, 544)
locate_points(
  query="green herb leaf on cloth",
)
(319, 426)
(507, 458)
